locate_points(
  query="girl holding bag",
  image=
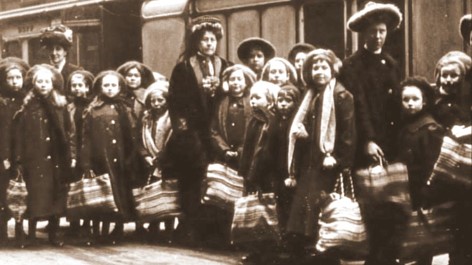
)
(321, 145)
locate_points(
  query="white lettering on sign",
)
(25, 29)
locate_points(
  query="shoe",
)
(251, 258)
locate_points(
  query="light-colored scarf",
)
(162, 127)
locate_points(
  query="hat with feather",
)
(373, 13)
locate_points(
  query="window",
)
(12, 49)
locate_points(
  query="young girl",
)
(156, 130)
(257, 159)
(42, 149)
(254, 52)
(78, 85)
(321, 145)
(280, 72)
(232, 115)
(296, 57)
(137, 77)
(12, 73)
(419, 140)
(109, 145)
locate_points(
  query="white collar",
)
(379, 51)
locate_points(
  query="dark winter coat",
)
(109, 146)
(312, 179)
(373, 80)
(41, 149)
(419, 143)
(220, 123)
(66, 71)
(449, 112)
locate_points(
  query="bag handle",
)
(339, 186)
(19, 176)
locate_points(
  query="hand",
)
(373, 150)
(73, 163)
(149, 160)
(290, 182)
(6, 164)
(300, 131)
(182, 125)
(231, 154)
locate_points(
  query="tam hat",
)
(465, 26)
(147, 76)
(244, 48)
(320, 54)
(299, 47)
(375, 12)
(154, 88)
(249, 75)
(207, 23)
(290, 69)
(56, 35)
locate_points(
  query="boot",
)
(20, 235)
(54, 238)
(3, 226)
(117, 234)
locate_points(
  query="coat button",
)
(115, 160)
(449, 104)
(391, 123)
(45, 120)
(48, 157)
(112, 106)
(112, 122)
(232, 124)
(113, 141)
(235, 105)
(48, 139)
(390, 91)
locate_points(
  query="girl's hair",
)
(249, 75)
(291, 71)
(271, 90)
(4, 72)
(291, 91)
(57, 84)
(320, 55)
(423, 85)
(155, 88)
(97, 83)
(86, 75)
(147, 76)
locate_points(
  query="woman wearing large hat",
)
(373, 76)
(194, 91)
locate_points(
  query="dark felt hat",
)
(375, 12)
(56, 35)
(147, 76)
(465, 26)
(299, 47)
(244, 48)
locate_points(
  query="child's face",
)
(256, 59)
(133, 78)
(43, 82)
(110, 86)
(412, 100)
(321, 72)
(299, 60)
(450, 78)
(158, 101)
(258, 99)
(14, 79)
(285, 104)
(237, 83)
(78, 86)
(278, 73)
(207, 44)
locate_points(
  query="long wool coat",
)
(9, 105)
(308, 158)
(44, 155)
(373, 80)
(103, 150)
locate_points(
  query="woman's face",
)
(14, 79)
(321, 73)
(278, 73)
(43, 82)
(237, 83)
(110, 86)
(133, 78)
(207, 44)
(412, 100)
(78, 86)
(57, 54)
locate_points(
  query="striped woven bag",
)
(222, 187)
(16, 196)
(342, 229)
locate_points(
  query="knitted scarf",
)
(155, 132)
(327, 122)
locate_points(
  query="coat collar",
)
(422, 120)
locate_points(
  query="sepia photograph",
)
(224, 132)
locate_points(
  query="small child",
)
(296, 57)
(254, 52)
(12, 73)
(156, 130)
(42, 149)
(257, 159)
(78, 87)
(108, 146)
(280, 72)
(232, 115)
(137, 77)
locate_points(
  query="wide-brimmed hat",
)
(245, 46)
(56, 35)
(147, 76)
(250, 76)
(207, 23)
(299, 47)
(290, 68)
(465, 26)
(375, 12)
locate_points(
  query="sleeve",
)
(345, 144)
(18, 139)
(71, 132)
(5, 136)
(178, 96)
(85, 149)
(218, 143)
(430, 147)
